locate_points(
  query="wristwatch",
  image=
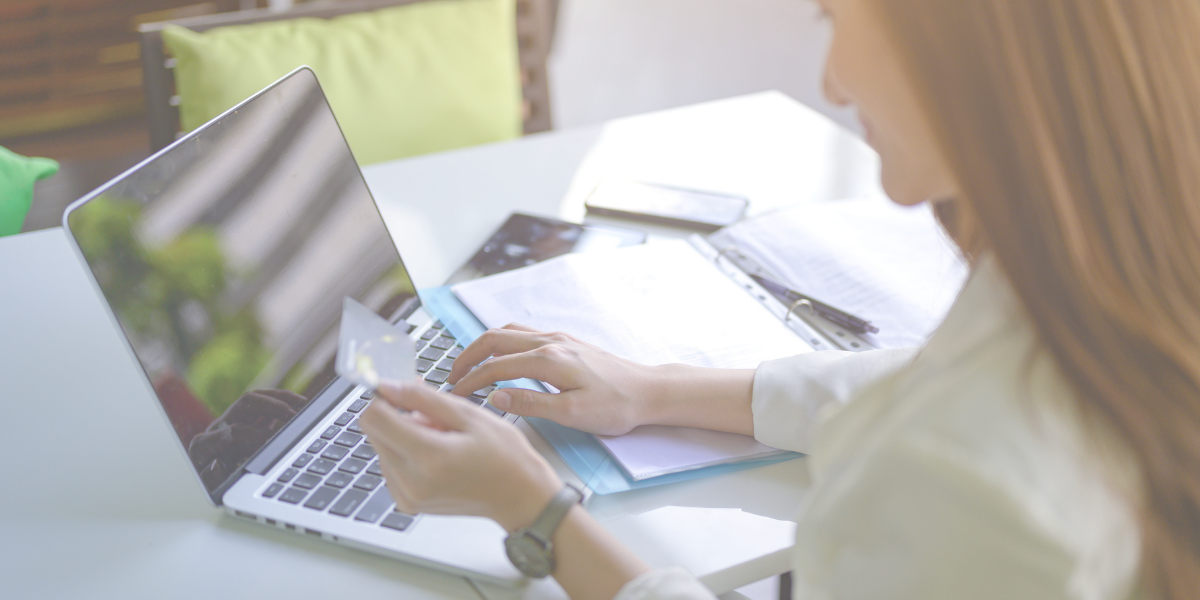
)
(530, 548)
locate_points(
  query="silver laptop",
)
(224, 259)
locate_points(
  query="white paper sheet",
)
(653, 450)
(891, 265)
(659, 303)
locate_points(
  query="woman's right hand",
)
(598, 392)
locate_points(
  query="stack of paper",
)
(665, 303)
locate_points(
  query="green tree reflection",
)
(171, 295)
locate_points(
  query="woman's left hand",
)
(449, 457)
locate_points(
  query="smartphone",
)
(527, 239)
(665, 205)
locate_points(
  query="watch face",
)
(529, 555)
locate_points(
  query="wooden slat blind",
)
(66, 63)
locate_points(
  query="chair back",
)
(535, 33)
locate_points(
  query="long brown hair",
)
(1073, 127)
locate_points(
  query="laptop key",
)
(357, 406)
(321, 467)
(287, 475)
(367, 482)
(348, 439)
(354, 427)
(275, 487)
(374, 469)
(429, 334)
(307, 481)
(348, 503)
(353, 465)
(438, 377)
(339, 480)
(320, 499)
(483, 394)
(302, 460)
(443, 343)
(437, 325)
(345, 418)
(367, 395)
(316, 446)
(379, 504)
(424, 365)
(430, 354)
(335, 453)
(447, 364)
(293, 495)
(398, 521)
(365, 451)
(330, 432)
(454, 352)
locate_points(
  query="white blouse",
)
(957, 471)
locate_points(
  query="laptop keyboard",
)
(339, 472)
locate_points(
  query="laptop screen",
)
(225, 260)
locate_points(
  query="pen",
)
(788, 296)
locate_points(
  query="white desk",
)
(96, 500)
(766, 147)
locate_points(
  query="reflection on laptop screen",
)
(226, 260)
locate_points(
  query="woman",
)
(1045, 443)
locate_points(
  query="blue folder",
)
(581, 451)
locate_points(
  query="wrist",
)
(670, 393)
(689, 396)
(659, 400)
(528, 501)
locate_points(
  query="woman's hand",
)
(599, 392)
(449, 457)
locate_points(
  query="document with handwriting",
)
(891, 265)
(658, 303)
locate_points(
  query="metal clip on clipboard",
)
(819, 332)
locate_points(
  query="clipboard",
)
(818, 332)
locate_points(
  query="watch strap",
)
(554, 512)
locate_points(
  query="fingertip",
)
(376, 410)
(393, 390)
(501, 399)
(388, 388)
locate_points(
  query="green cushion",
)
(17, 176)
(404, 80)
